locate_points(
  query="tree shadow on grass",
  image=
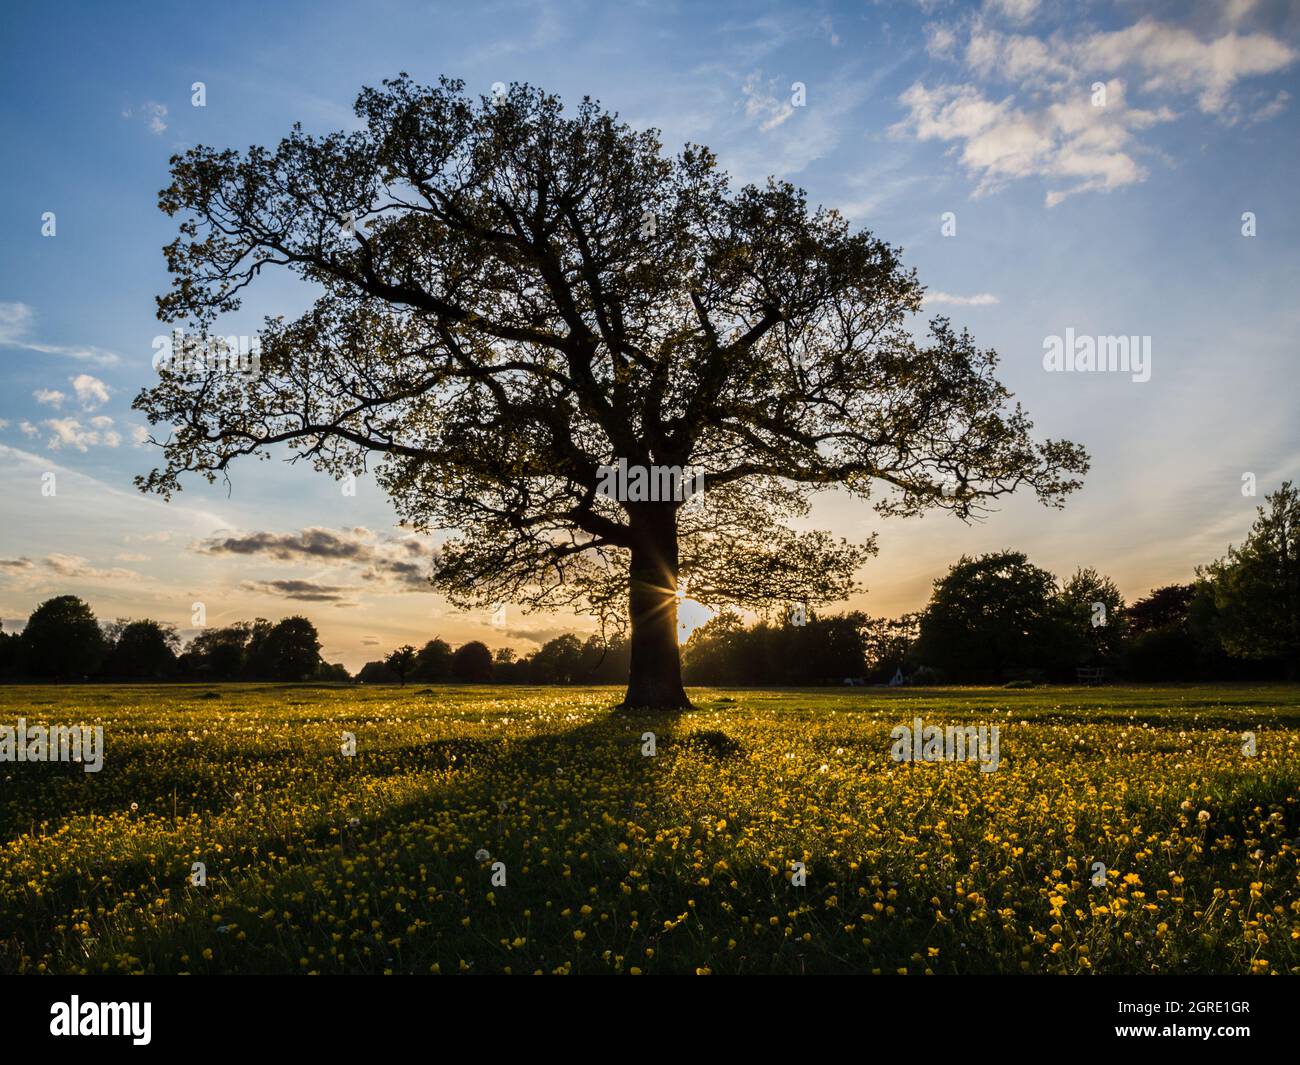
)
(484, 784)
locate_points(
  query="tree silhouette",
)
(988, 615)
(293, 648)
(63, 639)
(1256, 587)
(1091, 636)
(513, 297)
(432, 661)
(472, 662)
(401, 662)
(142, 650)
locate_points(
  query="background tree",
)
(557, 661)
(376, 673)
(292, 649)
(401, 662)
(258, 655)
(333, 671)
(143, 650)
(988, 617)
(886, 644)
(11, 654)
(1090, 637)
(512, 297)
(63, 639)
(509, 668)
(217, 654)
(1171, 635)
(826, 649)
(715, 652)
(604, 661)
(1256, 586)
(1168, 605)
(472, 663)
(433, 662)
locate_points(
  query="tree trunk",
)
(655, 677)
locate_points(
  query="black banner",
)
(146, 1015)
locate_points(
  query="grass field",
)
(681, 862)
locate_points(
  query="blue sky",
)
(1119, 219)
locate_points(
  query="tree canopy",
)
(990, 615)
(63, 639)
(1256, 586)
(512, 297)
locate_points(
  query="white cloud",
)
(940, 40)
(79, 567)
(156, 113)
(763, 105)
(790, 146)
(547, 29)
(153, 114)
(62, 565)
(149, 538)
(16, 321)
(1016, 10)
(70, 432)
(1271, 109)
(1085, 148)
(1044, 124)
(49, 397)
(102, 517)
(91, 391)
(980, 299)
(1175, 59)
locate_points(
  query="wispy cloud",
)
(72, 567)
(152, 113)
(980, 299)
(788, 137)
(303, 590)
(1015, 10)
(16, 322)
(546, 30)
(763, 105)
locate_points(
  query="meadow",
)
(618, 861)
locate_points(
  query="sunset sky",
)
(1124, 219)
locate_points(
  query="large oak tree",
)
(512, 296)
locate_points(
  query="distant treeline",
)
(991, 619)
(64, 641)
(567, 659)
(999, 618)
